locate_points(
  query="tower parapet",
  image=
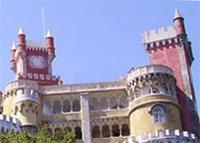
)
(7, 122)
(150, 80)
(160, 136)
(24, 104)
(152, 99)
(160, 36)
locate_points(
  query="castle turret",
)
(13, 62)
(23, 102)
(50, 45)
(21, 40)
(51, 50)
(153, 102)
(179, 23)
(20, 56)
(170, 47)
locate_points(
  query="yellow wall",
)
(26, 114)
(141, 120)
(7, 106)
(109, 140)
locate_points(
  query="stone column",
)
(85, 118)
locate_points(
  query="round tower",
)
(51, 50)
(13, 62)
(21, 40)
(179, 23)
(50, 45)
(25, 105)
(153, 105)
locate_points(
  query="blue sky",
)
(95, 41)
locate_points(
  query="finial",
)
(177, 14)
(13, 46)
(21, 31)
(48, 34)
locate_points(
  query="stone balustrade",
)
(135, 72)
(87, 87)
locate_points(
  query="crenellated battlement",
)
(35, 44)
(17, 84)
(7, 122)
(167, 136)
(159, 35)
(26, 95)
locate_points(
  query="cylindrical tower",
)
(25, 107)
(50, 46)
(13, 62)
(51, 50)
(179, 23)
(153, 105)
(22, 101)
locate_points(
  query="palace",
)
(154, 103)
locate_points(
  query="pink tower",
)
(172, 48)
(32, 60)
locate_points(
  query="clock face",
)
(37, 62)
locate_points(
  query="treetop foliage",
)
(42, 136)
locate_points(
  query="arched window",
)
(125, 130)
(78, 133)
(47, 109)
(57, 130)
(31, 108)
(66, 106)
(115, 131)
(155, 90)
(146, 88)
(158, 114)
(123, 102)
(96, 132)
(113, 103)
(103, 103)
(22, 108)
(56, 107)
(94, 104)
(105, 131)
(68, 129)
(76, 105)
(16, 110)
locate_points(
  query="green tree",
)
(42, 136)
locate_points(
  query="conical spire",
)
(49, 34)
(177, 14)
(13, 46)
(21, 31)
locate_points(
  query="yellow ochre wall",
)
(7, 105)
(26, 114)
(141, 120)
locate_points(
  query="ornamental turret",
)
(50, 45)
(179, 23)
(13, 62)
(21, 40)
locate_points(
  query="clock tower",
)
(32, 60)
